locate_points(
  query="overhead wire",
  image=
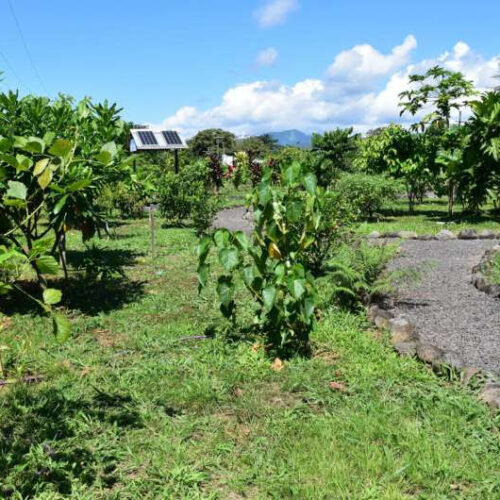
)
(26, 48)
(13, 71)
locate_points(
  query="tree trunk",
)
(451, 198)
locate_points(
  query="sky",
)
(249, 66)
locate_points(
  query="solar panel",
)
(147, 137)
(171, 138)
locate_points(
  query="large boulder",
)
(445, 235)
(490, 394)
(408, 235)
(468, 234)
(402, 330)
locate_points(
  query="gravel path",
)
(447, 309)
(234, 219)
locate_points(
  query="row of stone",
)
(443, 235)
(480, 280)
(406, 342)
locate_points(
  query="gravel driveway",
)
(234, 219)
(447, 309)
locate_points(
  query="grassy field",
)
(129, 408)
(430, 217)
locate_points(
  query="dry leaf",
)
(237, 392)
(338, 386)
(277, 365)
(85, 371)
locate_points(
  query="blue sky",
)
(247, 65)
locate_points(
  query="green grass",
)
(127, 409)
(230, 197)
(494, 273)
(430, 217)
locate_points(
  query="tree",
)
(270, 142)
(481, 175)
(253, 146)
(440, 89)
(443, 91)
(334, 151)
(212, 141)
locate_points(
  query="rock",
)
(429, 353)
(492, 290)
(453, 359)
(490, 395)
(425, 237)
(391, 234)
(374, 235)
(444, 235)
(468, 373)
(486, 235)
(406, 348)
(402, 330)
(408, 235)
(468, 234)
(478, 281)
(372, 312)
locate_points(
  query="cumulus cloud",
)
(320, 104)
(364, 61)
(275, 12)
(267, 57)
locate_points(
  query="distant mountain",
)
(292, 138)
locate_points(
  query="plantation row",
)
(66, 166)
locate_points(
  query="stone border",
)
(479, 280)
(443, 235)
(406, 342)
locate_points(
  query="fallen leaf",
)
(277, 365)
(85, 371)
(257, 347)
(237, 392)
(338, 386)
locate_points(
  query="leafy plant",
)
(187, 195)
(273, 263)
(367, 194)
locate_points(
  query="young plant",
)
(273, 262)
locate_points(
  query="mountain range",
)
(292, 138)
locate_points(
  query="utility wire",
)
(28, 53)
(13, 71)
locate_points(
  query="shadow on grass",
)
(434, 215)
(97, 283)
(42, 440)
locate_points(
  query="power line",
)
(28, 53)
(13, 71)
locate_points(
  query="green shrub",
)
(367, 193)
(122, 200)
(187, 195)
(274, 264)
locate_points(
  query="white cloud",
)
(267, 57)
(364, 61)
(320, 104)
(275, 12)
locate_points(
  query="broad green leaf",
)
(309, 181)
(5, 144)
(309, 307)
(297, 287)
(225, 290)
(274, 251)
(52, 296)
(34, 145)
(9, 159)
(3, 173)
(48, 138)
(221, 238)
(79, 185)
(41, 246)
(248, 275)
(292, 173)
(40, 166)
(61, 147)
(203, 275)
(5, 288)
(110, 147)
(203, 248)
(16, 190)
(46, 264)
(62, 328)
(269, 297)
(45, 178)
(104, 157)
(241, 240)
(60, 205)
(23, 163)
(229, 258)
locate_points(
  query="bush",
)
(274, 264)
(187, 195)
(122, 200)
(367, 194)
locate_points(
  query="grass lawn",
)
(130, 409)
(430, 217)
